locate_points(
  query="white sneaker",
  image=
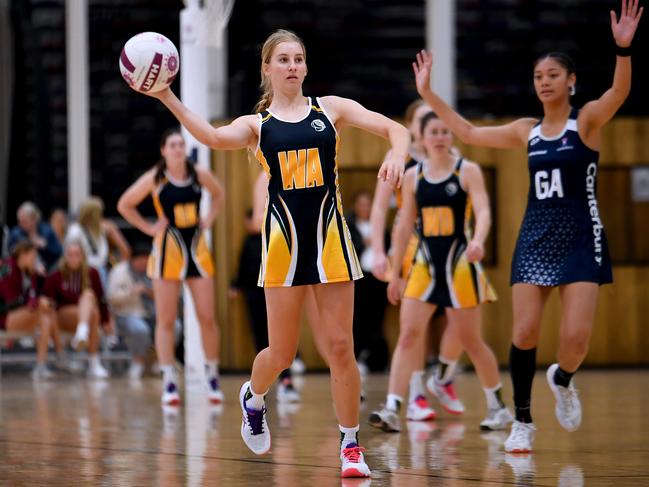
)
(420, 410)
(97, 371)
(497, 419)
(254, 429)
(353, 462)
(80, 339)
(521, 438)
(170, 396)
(298, 367)
(446, 396)
(568, 408)
(41, 372)
(286, 393)
(214, 393)
(135, 370)
(386, 420)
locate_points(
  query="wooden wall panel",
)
(621, 332)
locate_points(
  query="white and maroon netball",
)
(149, 62)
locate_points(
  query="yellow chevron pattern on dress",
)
(409, 256)
(420, 281)
(202, 256)
(334, 265)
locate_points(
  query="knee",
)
(576, 341)
(409, 336)
(525, 335)
(281, 360)
(341, 349)
(88, 295)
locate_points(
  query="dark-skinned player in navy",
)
(561, 243)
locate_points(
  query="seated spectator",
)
(130, 295)
(78, 296)
(97, 235)
(30, 227)
(59, 223)
(22, 309)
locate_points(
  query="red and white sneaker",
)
(446, 396)
(353, 462)
(420, 410)
(170, 396)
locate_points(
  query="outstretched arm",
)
(596, 113)
(239, 134)
(508, 136)
(348, 112)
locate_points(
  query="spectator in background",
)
(97, 234)
(22, 309)
(370, 299)
(130, 295)
(78, 295)
(30, 227)
(59, 223)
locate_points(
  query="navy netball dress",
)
(561, 239)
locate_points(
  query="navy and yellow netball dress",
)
(441, 274)
(305, 239)
(180, 251)
(561, 239)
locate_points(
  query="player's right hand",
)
(422, 68)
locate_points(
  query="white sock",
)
(82, 325)
(168, 374)
(393, 402)
(348, 436)
(211, 369)
(445, 370)
(416, 385)
(93, 360)
(256, 401)
(493, 396)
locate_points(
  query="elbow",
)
(122, 207)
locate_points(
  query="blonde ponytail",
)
(269, 46)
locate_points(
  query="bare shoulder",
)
(524, 125)
(335, 105)
(471, 167)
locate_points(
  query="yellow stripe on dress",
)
(419, 281)
(202, 257)
(278, 257)
(333, 258)
(464, 287)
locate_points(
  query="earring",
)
(573, 90)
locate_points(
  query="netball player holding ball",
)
(305, 240)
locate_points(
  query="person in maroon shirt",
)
(22, 309)
(76, 290)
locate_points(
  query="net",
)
(216, 16)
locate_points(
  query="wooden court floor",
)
(72, 432)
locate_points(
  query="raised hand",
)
(422, 69)
(624, 28)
